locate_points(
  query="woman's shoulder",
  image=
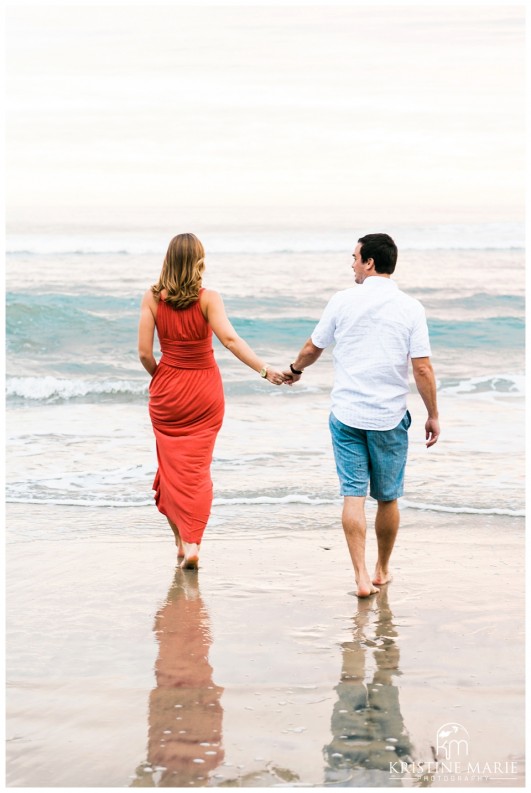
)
(155, 297)
(207, 295)
(149, 297)
(209, 301)
(151, 301)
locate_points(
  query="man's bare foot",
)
(191, 556)
(381, 577)
(364, 588)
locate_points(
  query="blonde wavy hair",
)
(182, 271)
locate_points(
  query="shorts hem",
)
(386, 497)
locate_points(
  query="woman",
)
(186, 401)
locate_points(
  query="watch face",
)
(263, 372)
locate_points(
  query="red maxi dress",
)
(186, 406)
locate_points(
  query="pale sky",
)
(413, 111)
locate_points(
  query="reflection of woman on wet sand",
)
(367, 724)
(185, 713)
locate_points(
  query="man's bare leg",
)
(386, 525)
(355, 528)
(178, 541)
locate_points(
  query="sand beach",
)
(262, 669)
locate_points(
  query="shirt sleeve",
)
(323, 334)
(419, 342)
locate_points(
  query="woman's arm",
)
(146, 331)
(214, 312)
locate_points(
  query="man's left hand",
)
(289, 377)
(433, 430)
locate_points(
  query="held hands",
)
(285, 377)
(290, 378)
(276, 377)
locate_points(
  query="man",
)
(376, 329)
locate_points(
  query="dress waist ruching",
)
(196, 354)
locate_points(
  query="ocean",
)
(78, 430)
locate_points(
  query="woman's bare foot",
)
(180, 550)
(364, 588)
(191, 556)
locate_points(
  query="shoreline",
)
(288, 653)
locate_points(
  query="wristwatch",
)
(263, 371)
(295, 371)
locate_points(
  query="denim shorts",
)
(378, 456)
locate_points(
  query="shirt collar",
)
(381, 281)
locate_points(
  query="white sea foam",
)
(498, 384)
(87, 480)
(54, 388)
(515, 513)
(49, 388)
(33, 492)
(80, 502)
(57, 389)
(15, 496)
(295, 498)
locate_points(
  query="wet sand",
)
(263, 668)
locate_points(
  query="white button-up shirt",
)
(377, 329)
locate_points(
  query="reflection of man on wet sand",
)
(367, 724)
(185, 713)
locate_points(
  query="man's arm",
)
(308, 354)
(425, 381)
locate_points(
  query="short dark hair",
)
(381, 248)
